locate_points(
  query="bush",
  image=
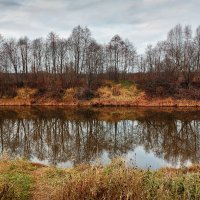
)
(8, 92)
(84, 94)
(192, 93)
(159, 87)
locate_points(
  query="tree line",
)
(78, 54)
(178, 54)
(68, 61)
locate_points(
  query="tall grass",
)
(20, 179)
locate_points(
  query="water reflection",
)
(66, 136)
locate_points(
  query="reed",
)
(20, 179)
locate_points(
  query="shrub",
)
(84, 94)
(191, 93)
(159, 87)
(8, 92)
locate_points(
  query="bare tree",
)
(197, 48)
(62, 54)
(94, 61)
(79, 41)
(52, 48)
(11, 49)
(37, 51)
(23, 44)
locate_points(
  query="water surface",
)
(65, 137)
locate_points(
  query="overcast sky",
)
(141, 21)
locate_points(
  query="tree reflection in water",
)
(82, 135)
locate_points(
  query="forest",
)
(169, 68)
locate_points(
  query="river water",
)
(143, 137)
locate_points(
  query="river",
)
(143, 137)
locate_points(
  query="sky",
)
(141, 21)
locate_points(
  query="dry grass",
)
(110, 95)
(118, 92)
(25, 93)
(69, 95)
(20, 179)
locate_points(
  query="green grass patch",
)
(126, 83)
(15, 186)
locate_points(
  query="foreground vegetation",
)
(20, 179)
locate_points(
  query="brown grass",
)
(110, 95)
(20, 179)
(25, 93)
(69, 95)
(119, 93)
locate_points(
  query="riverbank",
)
(116, 95)
(20, 179)
(98, 102)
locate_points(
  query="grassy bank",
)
(22, 180)
(112, 94)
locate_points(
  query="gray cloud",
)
(141, 21)
(9, 3)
